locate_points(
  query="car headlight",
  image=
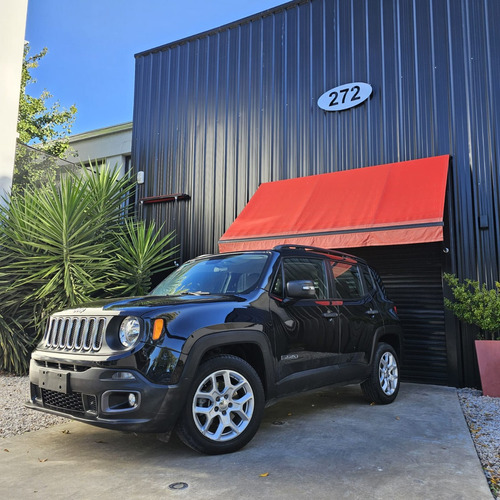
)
(130, 329)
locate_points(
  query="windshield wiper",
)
(199, 292)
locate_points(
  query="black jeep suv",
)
(216, 340)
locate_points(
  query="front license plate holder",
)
(53, 380)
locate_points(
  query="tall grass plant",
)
(66, 244)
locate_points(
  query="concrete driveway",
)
(328, 444)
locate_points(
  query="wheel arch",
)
(251, 346)
(391, 335)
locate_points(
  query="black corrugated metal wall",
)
(219, 113)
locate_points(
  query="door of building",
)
(412, 275)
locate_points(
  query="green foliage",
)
(140, 255)
(65, 244)
(38, 121)
(13, 346)
(55, 237)
(35, 169)
(475, 304)
(47, 125)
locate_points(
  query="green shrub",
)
(65, 244)
(14, 347)
(140, 254)
(475, 304)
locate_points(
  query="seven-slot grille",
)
(75, 334)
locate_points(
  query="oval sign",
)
(345, 96)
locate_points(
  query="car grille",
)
(74, 403)
(61, 366)
(75, 334)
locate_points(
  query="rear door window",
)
(347, 281)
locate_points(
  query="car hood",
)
(153, 301)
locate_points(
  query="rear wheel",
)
(224, 407)
(382, 386)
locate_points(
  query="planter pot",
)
(488, 359)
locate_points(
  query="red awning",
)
(393, 204)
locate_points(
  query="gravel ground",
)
(14, 417)
(482, 414)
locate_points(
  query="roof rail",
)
(336, 253)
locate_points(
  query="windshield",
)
(217, 275)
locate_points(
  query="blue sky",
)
(91, 46)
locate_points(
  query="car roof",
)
(308, 250)
(294, 250)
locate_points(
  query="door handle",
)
(330, 315)
(371, 312)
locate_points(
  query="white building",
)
(110, 145)
(12, 29)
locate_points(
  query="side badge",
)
(288, 357)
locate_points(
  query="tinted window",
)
(278, 283)
(303, 268)
(215, 275)
(347, 280)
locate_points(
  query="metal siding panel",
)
(389, 96)
(422, 29)
(230, 153)
(461, 133)
(375, 73)
(220, 127)
(278, 120)
(217, 114)
(301, 126)
(268, 100)
(210, 154)
(291, 77)
(254, 108)
(492, 11)
(244, 104)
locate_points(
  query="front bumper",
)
(101, 396)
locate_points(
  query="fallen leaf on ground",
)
(265, 474)
(42, 460)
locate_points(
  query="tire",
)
(382, 386)
(224, 406)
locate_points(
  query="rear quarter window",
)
(370, 284)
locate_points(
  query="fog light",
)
(132, 400)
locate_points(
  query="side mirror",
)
(301, 289)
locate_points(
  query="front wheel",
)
(224, 406)
(382, 386)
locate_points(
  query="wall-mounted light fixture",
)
(140, 177)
